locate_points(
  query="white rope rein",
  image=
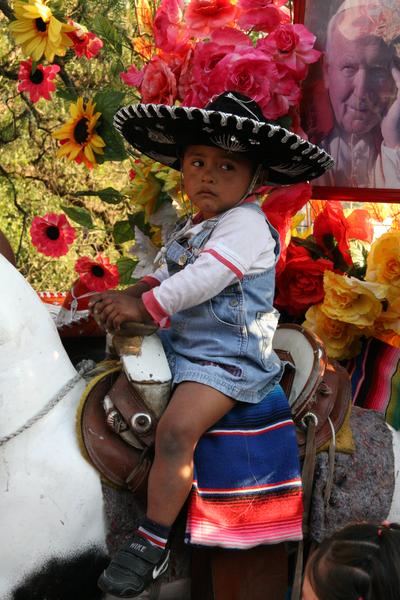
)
(86, 366)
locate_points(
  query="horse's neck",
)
(30, 382)
(33, 363)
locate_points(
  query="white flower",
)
(146, 252)
(166, 218)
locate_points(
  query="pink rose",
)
(291, 45)
(203, 16)
(261, 15)
(169, 30)
(206, 55)
(249, 72)
(286, 92)
(132, 76)
(159, 83)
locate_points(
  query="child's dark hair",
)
(359, 562)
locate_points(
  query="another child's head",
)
(216, 179)
(359, 562)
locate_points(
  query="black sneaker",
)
(133, 568)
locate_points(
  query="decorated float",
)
(338, 276)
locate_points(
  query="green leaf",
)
(114, 148)
(107, 32)
(138, 220)
(65, 93)
(359, 253)
(79, 215)
(108, 102)
(310, 245)
(123, 232)
(109, 195)
(126, 266)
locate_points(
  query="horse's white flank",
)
(50, 497)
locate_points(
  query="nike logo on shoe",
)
(159, 569)
(136, 546)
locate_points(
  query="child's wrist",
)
(144, 313)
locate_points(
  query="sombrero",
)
(233, 122)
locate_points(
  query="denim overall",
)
(225, 342)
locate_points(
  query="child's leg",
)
(193, 408)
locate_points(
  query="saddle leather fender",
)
(120, 463)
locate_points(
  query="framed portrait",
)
(351, 96)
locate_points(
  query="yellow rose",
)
(383, 262)
(341, 340)
(389, 319)
(348, 299)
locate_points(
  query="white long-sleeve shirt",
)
(241, 243)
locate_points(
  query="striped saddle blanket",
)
(247, 484)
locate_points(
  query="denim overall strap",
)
(180, 253)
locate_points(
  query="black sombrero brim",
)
(160, 132)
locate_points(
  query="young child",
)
(212, 295)
(359, 562)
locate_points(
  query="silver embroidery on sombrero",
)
(290, 169)
(160, 138)
(166, 160)
(228, 142)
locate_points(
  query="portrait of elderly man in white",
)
(361, 72)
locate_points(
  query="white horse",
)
(50, 498)
(51, 506)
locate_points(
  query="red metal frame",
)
(346, 193)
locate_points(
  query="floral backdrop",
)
(337, 274)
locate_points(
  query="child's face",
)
(214, 179)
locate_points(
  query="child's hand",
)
(110, 309)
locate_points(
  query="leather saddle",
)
(318, 389)
(118, 422)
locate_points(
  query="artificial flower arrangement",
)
(88, 137)
(341, 282)
(191, 51)
(186, 53)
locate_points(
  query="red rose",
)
(300, 285)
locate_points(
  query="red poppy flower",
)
(52, 234)
(99, 274)
(360, 226)
(331, 231)
(279, 207)
(84, 42)
(38, 82)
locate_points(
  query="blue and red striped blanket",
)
(247, 485)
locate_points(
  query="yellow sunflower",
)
(79, 140)
(38, 32)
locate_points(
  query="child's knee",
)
(174, 439)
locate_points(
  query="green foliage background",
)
(33, 181)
